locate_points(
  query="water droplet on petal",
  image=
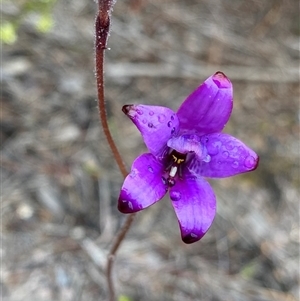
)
(150, 125)
(249, 162)
(161, 118)
(235, 164)
(225, 154)
(150, 169)
(204, 139)
(133, 173)
(172, 117)
(207, 158)
(151, 113)
(144, 121)
(173, 131)
(129, 204)
(230, 145)
(140, 112)
(213, 147)
(175, 196)
(169, 124)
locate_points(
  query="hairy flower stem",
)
(102, 29)
(102, 24)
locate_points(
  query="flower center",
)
(174, 165)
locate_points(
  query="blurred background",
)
(60, 183)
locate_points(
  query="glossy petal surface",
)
(208, 108)
(229, 157)
(194, 203)
(143, 186)
(156, 124)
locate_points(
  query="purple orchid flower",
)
(183, 148)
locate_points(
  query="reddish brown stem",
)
(102, 25)
(111, 256)
(102, 29)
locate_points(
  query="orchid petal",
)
(188, 143)
(194, 203)
(156, 124)
(208, 108)
(143, 186)
(228, 157)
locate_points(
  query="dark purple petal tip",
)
(191, 238)
(256, 163)
(221, 80)
(126, 109)
(125, 206)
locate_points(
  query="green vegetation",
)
(38, 12)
